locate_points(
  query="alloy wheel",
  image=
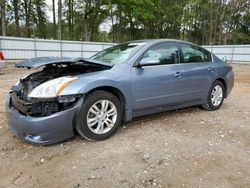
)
(102, 116)
(217, 95)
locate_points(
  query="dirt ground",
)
(184, 148)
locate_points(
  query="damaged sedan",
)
(92, 97)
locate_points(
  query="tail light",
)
(1, 56)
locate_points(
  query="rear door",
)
(198, 72)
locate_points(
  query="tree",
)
(59, 29)
(16, 12)
(27, 10)
(243, 31)
(211, 21)
(87, 28)
(39, 17)
(70, 18)
(198, 21)
(3, 23)
(54, 18)
(95, 12)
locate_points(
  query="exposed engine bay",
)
(39, 107)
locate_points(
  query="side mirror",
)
(148, 61)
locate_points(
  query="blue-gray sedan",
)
(94, 96)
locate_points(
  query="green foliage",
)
(199, 21)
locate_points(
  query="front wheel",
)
(215, 96)
(100, 116)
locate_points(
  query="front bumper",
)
(46, 130)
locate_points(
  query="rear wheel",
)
(100, 116)
(215, 96)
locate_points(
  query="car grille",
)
(21, 105)
(38, 109)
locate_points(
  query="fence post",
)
(0, 44)
(232, 57)
(35, 47)
(60, 48)
(81, 49)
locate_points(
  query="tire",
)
(212, 103)
(92, 122)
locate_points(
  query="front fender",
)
(117, 77)
(89, 81)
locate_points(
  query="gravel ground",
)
(184, 148)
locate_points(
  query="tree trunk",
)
(112, 23)
(87, 33)
(27, 9)
(59, 34)
(211, 22)
(216, 23)
(3, 18)
(70, 18)
(54, 19)
(41, 24)
(16, 13)
(222, 20)
(131, 29)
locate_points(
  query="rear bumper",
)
(42, 130)
(230, 82)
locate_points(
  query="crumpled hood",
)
(42, 61)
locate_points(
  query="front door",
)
(157, 85)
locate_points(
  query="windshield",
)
(119, 53)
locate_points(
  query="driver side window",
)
(166, 53)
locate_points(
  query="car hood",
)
(43, 61)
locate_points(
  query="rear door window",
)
(194, 54)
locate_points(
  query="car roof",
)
(148, 41)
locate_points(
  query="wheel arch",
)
(224, 84)
(115, 91)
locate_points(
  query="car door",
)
(198, 72)
(157, 85)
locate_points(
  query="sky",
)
(50, 13)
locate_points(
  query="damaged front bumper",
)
(42, 130)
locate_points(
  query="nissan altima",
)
(92, 97)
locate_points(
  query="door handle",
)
(178, 74)
(211, 69)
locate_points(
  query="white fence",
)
(23, 48)
(15, 48)
(233, 53)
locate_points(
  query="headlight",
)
(51, 88)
